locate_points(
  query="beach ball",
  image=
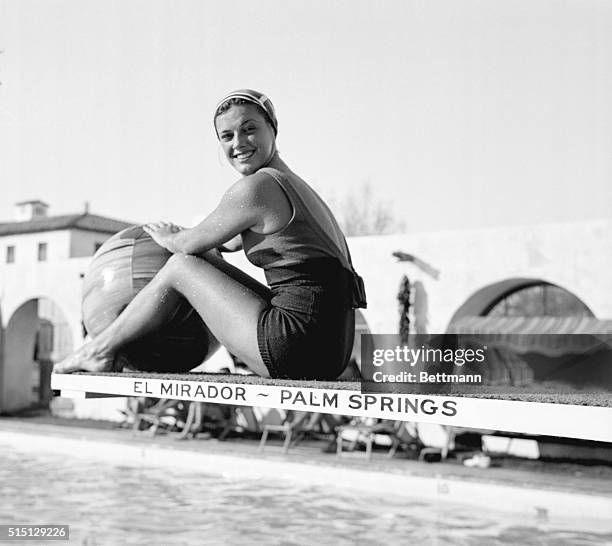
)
(120, 269)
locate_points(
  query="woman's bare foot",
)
(89, 358)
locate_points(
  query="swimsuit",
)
(307, 330)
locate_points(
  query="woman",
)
(302, 325)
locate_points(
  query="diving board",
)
(587, 422)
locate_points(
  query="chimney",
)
(26, 211)
(86, 207)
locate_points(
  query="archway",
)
(490, 300)
(36, 336)
(536, 331)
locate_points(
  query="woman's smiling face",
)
(247, 138)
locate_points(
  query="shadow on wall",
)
(18, 358)
(36, 336)
(420, 308)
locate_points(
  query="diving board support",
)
(80, 395)
(562, 420)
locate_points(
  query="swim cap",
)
(256, 98)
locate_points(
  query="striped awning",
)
(551, 336)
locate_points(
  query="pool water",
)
(110, 504)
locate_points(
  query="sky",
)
(458, 113)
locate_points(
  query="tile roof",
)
(84, 221)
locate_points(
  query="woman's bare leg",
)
(228, 300)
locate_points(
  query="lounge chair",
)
(149, 415)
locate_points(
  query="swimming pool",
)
(109, 503)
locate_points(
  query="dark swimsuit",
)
(307, 330)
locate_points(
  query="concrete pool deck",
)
(541, 494)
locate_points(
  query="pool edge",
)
(540, 506)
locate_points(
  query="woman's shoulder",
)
(273, 173)
(286, 178)
(264, 185)
(266, 176)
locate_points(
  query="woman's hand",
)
(163, 233)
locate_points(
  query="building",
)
(42, 262)
(482, 266)
(559, 269)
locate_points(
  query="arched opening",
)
(37, 335)
(536, 332)
(522, 297)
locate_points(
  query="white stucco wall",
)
(59, 281)
(83, 243)
(576, 256)
(21, 285)
(61, 245)
(26, 248)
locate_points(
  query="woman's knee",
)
(177, 266)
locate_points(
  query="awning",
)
(551, 336)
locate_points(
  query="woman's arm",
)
(254, 202)
(232, 245)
